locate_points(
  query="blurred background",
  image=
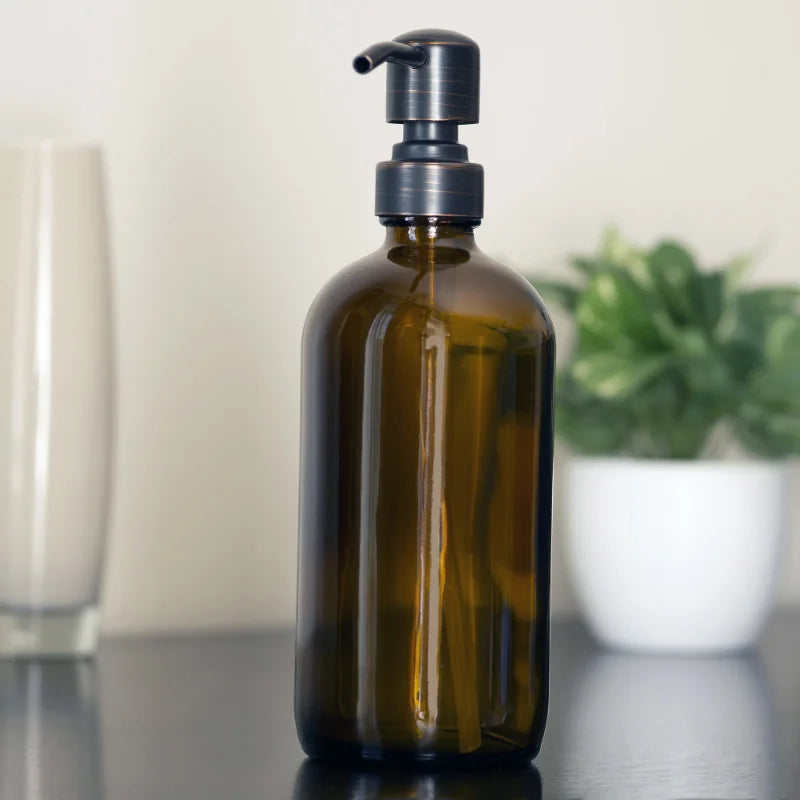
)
(241, 151)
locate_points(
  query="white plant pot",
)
(676, 556)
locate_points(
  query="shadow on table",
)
(316, 780)
(49, 731)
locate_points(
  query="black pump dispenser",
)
(432, 87)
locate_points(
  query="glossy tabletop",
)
(190, 718)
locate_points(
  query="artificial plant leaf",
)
(587, 266)
(769, 414)
(737, 268)
(742, 333)
(707, 375)
(591, 426)
(652, 409)
(756, 309)
(615, 251)
(613, 375)
(563, 294)
(712, 290)
(686, 342)
(769, 433)
(783, 341)
(615, 312)
(691, 428)
(740, 358)
(677, 280)
(776, 384)
(671, 420)
(666, 353)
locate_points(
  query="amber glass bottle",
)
(426, 501)
(426, 473)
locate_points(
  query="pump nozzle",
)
(432, 82)
(393, 52)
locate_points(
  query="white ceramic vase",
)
(56, 396)
(674, 556)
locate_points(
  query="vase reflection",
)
(49, 731)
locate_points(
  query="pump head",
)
(432, 87)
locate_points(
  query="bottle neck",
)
(430, 232)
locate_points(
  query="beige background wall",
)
(241, 148)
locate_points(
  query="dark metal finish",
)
(447, 88)
(204, 718)
(427, 131)
(429, 189)
(429, 174)
(430, 141)
(393, 52)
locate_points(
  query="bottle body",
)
(426, 475)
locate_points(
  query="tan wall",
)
(229, 214)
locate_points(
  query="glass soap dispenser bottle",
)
(426, 460)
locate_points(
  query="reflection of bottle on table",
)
(317, 780)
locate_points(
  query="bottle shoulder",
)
(459, 284)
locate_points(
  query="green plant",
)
(666, 354)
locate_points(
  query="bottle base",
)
(42, 634)
(331, 751)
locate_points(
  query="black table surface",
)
(197, 717)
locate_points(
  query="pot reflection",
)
(49, 742)
(683, 722)
(316, 780)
